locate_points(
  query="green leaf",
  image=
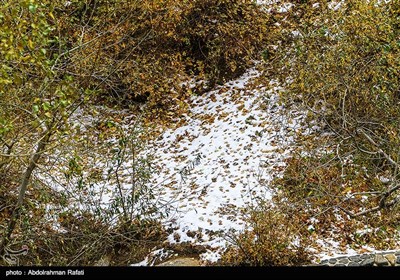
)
(35, 108)
(32, 8)
(64, 103)
(46, 106)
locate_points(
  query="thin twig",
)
(394, 163)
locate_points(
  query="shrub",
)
(222, 38)
(65, 220)
(145, 50)
(272, 238)
(343, 65)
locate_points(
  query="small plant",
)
(133, 195)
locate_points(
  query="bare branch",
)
(382, 203)
(394, 163)
(354, 215)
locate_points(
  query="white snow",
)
(335, 5)
(333, 250)
(145, 262)
(241, 147)
(208, 170)
(281, 7)
(159, 254)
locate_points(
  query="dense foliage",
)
(58, 58)
(272, 238)
(341, 63)
(149, 50)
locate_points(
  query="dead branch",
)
(370, 140)
(382, 203)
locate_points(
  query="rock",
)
(332, 261)
(380, 260)
(324, 262)
(368, 262)
(344, 260)
(181, 262)
(355, 258)
(365, 256)
(391, 259)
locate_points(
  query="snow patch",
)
(231, 147)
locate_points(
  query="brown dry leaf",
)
(213, 97)
(222, 90)
(223, 115)
(240, 107)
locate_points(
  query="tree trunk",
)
(23, 187)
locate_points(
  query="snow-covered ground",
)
(221, 160)
(233, 143)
